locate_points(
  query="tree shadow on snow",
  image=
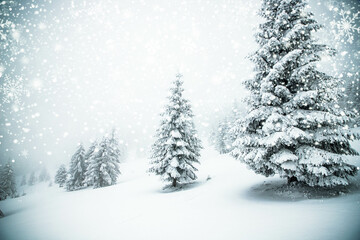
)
(279, 190)
(181, 187)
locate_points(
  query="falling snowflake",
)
(12, 90)
(25, 153)
(10, 40)
(5, 25)
(92, 10)
(345, 29)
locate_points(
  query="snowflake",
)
(25, 153)
(346, 27)
(5, 25)
(12, 89)
(10, 39)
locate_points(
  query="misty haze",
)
(224, 119)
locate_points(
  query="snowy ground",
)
(234, 204)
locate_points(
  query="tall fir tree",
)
(61, 175)
(103, 169)
(294, 126)
(7, 181)
(177, 147)
(77, 170)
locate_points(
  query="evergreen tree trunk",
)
(174, 182)
(292, 180)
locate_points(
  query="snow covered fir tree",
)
(44, 175)
(90, 152)
(23, 180)
(76, 170)
(32, 179)
(177, 147)
(221, 136)
(61, 175)
(353, 98)
(103, 163)
(221, 141)
(7, 181)
(294, 126)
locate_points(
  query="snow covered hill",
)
(227, 202)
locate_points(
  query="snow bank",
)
(227, 202)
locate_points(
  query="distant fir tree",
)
(237, 113)
(177, 147)
(294, 126)
(116, 149)
(124, 150)
(76, 170)
(353, 97)
(44, 175)
(61, 175)
(90, 152)
(103, 169)
(23, 180)
(32, 179)
(7, 181)
(223, 137)
(222, 142)
(89, 155)
(213, 134)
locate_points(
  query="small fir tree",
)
(223, 136)
(222, 141)
(23, 180)
(76, 170)
(93, 149)
(44, 175)
(177, 147)
(90, 152)
(7, 181)
(32, 179)
(116, 150)
(61, 175)
(353, 97)
(294, 127)
(103, 169)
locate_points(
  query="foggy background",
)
(81, 68)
